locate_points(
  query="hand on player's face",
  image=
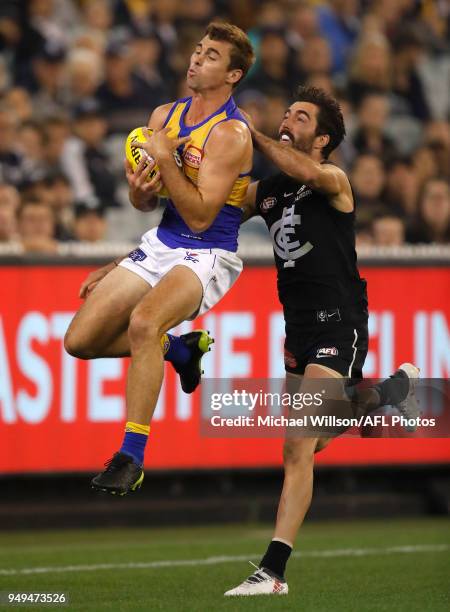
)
(159, 146)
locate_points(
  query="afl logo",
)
(268, 203)
(192, 156)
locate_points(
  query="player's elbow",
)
(199, 225)
(144, 205)
(308, 176)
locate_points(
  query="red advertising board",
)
(58, 413)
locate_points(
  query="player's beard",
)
(305, 144)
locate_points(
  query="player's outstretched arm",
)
(228, 145)
(326, 178)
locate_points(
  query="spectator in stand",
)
(322, 81)
(62, 203)
(10, 28)
(96, 22)
(271, 72)
(276, 105)
(370, 68)
(31, 143)
(164, 19)
(313, 59)
(9, 203)
(84, 74)
(364, 235)
(13, 166)
(339, 24)
(133, 15)
(388, 230)
(147, 61)
(437, 137)
(407, 83)
(432, 223)
(368, 179)
(302, 26)
(402, 188)
(89, 224)
(198, 12)
(56, 133)
(98, 16)
(85, 158)
(19, 101)
(424, 164)
(370, 135)
(36, 226)
(126, 99)
(255, 104)
(47, 86)
(387, 16)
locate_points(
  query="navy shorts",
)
(335, 337)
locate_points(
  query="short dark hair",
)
(329, 118)
(33, 201)
(242, 55)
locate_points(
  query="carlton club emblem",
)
(268, 203)
(282, 233)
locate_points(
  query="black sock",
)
(276, 557)
(394, 389)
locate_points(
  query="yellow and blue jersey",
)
(223, 232)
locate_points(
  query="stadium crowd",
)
(77, 75)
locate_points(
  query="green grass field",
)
(345, 566)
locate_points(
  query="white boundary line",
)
(338, 552)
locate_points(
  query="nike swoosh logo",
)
(286, 195)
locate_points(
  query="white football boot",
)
(259, 583)
(409, 407)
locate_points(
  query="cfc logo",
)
(268, 203)
(283, 237)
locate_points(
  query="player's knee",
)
(142, 329)
(298, 451)
(77, 345)
(321, 444)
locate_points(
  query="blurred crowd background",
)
(77, 75)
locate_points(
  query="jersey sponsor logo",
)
(192, 156)
(326, 352)
(302, 193)
(268, 203)
(289, 359)
(137, 255)
(282, 232)
(287, 195)
(191, 257)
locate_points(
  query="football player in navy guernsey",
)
(309, 209)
